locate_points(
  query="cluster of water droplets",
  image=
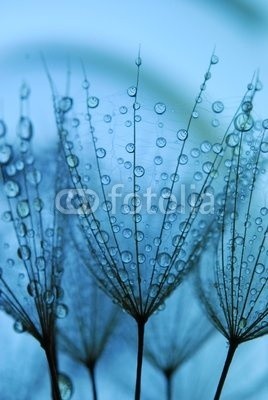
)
(33, 250)
(140, 184)
(240, 281)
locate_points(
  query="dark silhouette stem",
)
(141, 326)
(91, 370)
(52, 364)
(228, 361)
(168, 376)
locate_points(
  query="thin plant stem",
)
(141, 326)
(91, 370)
(168, 377)
(52, 364)
(228, 361)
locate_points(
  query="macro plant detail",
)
(141, 252)
(31, 261)
(92, 317)
(174, 336)
(233, 279)
(131, 201)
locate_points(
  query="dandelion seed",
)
(235, 294)
(33, 252)
(138, 280)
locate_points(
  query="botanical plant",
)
(233, 284)
(92, 317)
(142, 252)
(175, 334)
(31, 272)
(136, 216)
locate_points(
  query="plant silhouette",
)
(92, 317)
(31, 272)
(118, 167)
(233, 279)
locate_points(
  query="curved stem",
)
(52, 364)
(141, 326)
(228, 361)
(91, 370)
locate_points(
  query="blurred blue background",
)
(177, 38)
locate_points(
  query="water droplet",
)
(24, 91)
(102, 237)
(163, 259)
(165, 193)
(34, 288)
(207, 167)
(160, 108)
(126, 256)
(232, 140)
(195, 153)
(48, 297)
(183, 159)
(107, 118)
(3, 128)
(198, 176)
(72, 160)
(158, 160)
(264, 211)
(260, 268)
(6, 216)
(85, 84)
(11, 188)
(264, 124)
(38, 204)
(243, 122)
(217, 107)
(18, 326)
(130, 147)
(65, 104)
(5, 153)
(105, 179)
(194, 200)
(182, 134)
(24, 252)
(180, 265)
(139, 171)
(138, 61)
(25, 128)
(239, 240)
(264, 147)
(123, 110)
(205, 146)
(23, 209)
(127, 233)
(61, 311)
(132, 90)
(40, 263)
(214, 59)
(93, 102)
(65, 386)
(247, 106)
(101, 152)
(161, 142)
(171, 279)
(123, 275)
(34, 176)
